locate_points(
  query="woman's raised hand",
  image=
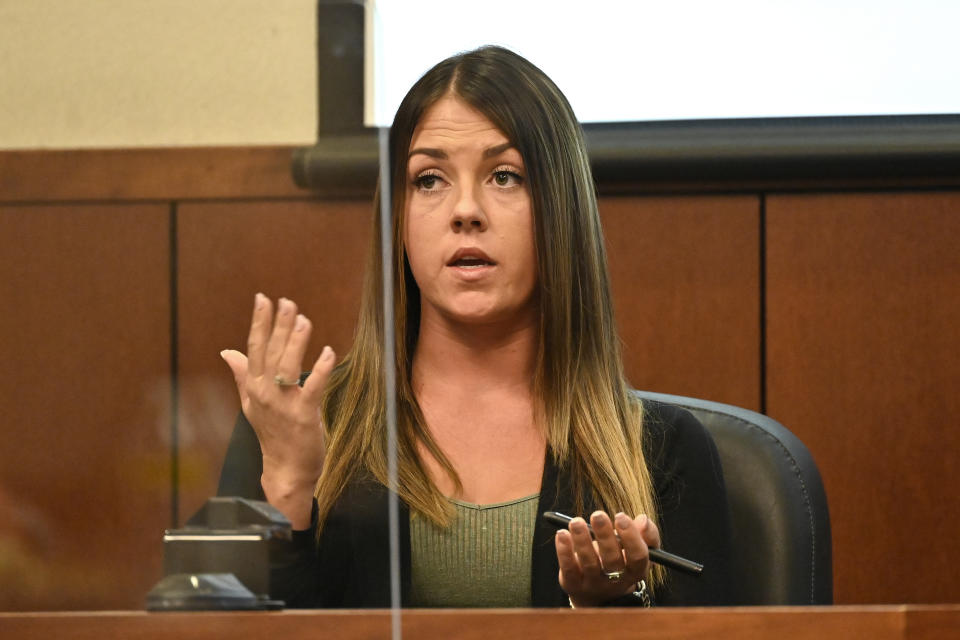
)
(593, 572)
(285, 416)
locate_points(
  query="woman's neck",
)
(474, 386)
(475, 358)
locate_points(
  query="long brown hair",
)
(592, 422)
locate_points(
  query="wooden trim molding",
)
(137, 174)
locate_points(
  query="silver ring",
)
(280, 381)
(614, 576)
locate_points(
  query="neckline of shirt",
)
(493, 505)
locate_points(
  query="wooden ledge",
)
(784, 623)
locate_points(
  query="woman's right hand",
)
(285, 416)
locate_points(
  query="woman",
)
(511, 398)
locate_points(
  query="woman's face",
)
(468, 221)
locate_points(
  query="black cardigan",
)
(350, 566)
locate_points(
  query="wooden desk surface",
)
(782, 623)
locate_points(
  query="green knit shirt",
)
(482, 559)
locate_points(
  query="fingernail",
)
(623, 521)
(258, 300)
(326, 354)
(284, 305)
(642, 520)
(301, 323)
(578, 526)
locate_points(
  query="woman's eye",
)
(428, 182)
(506, 178)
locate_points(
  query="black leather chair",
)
(780, 520)
(779, 514)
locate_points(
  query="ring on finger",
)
(614, 576)
(280, 381)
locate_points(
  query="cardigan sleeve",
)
(694, 518)
(308, 575)
(293, 568)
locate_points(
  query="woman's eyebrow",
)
(433, 153)
(442, 155)
(497, 150)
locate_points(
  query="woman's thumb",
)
(238, 365)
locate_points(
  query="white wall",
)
(687, 59)
(129, 73)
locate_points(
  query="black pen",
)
(656, 555)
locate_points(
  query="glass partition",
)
(127, 271)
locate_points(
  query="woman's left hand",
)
(589, 568)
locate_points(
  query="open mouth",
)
(470, 258)
(471, 263)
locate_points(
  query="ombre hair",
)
(592, 422)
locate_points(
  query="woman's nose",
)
(468, 214)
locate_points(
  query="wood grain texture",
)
(146, 174)
(863, 344)
(85, 466)
(799, 623)
(309, 251)
(686, 282)
(932, 622)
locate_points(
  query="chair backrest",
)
(779, 514)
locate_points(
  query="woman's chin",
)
(476, 316)
(487, 315)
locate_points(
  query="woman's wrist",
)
(288, 479)
(292, 494)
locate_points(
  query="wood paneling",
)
(862, 315)
(863, 365)
(309, 251)
(146, 174)
(686, 281)
(85, 464)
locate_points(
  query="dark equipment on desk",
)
(220, 560)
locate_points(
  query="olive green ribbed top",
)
(481, 560)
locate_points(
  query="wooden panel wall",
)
(85, 397)
(686, 280)
(864, 362)
(861, 311)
